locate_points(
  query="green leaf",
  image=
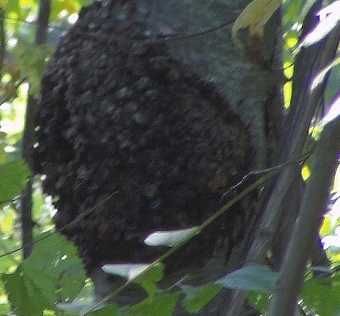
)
(198, 297)
(327, 226)
(32, 60)
(52, 273)
(292, 9)
(258, 300)
(12, 6)
(148, 281)
(322, 295)
(13, 177)
(5, 309)
(255, 16)
(56, 257)
(252, 278)
(71, 6)
(162, 304)
(111, 310)
(8, 220)
(23, 294)
(10, 261)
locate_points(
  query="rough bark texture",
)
(162, 128)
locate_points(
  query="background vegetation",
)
(32, 285)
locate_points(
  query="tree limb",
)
(309, 62)
(28, 138)
(306, 228)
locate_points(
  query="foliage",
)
(253, 278)
(54, 273)
(13, 177)
(255, 15)
(31, 60)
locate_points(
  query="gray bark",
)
(248, 88)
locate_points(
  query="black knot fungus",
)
(145, 147)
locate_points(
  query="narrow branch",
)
(306, 228)
(28, 139)
(2, 40)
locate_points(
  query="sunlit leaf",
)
(12, 6)
(292, 9)
(291, 39)
(287, 90)
(326, 227)
(71, 6)
(10, 261)
(7, 220)
(13, 177)
(255, 16)
(3, 3)
(253, 278)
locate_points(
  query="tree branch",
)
(28, 139)
(306, 228)
(309, 62)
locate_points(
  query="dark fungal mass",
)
(125, 129)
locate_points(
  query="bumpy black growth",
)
(119, 118)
